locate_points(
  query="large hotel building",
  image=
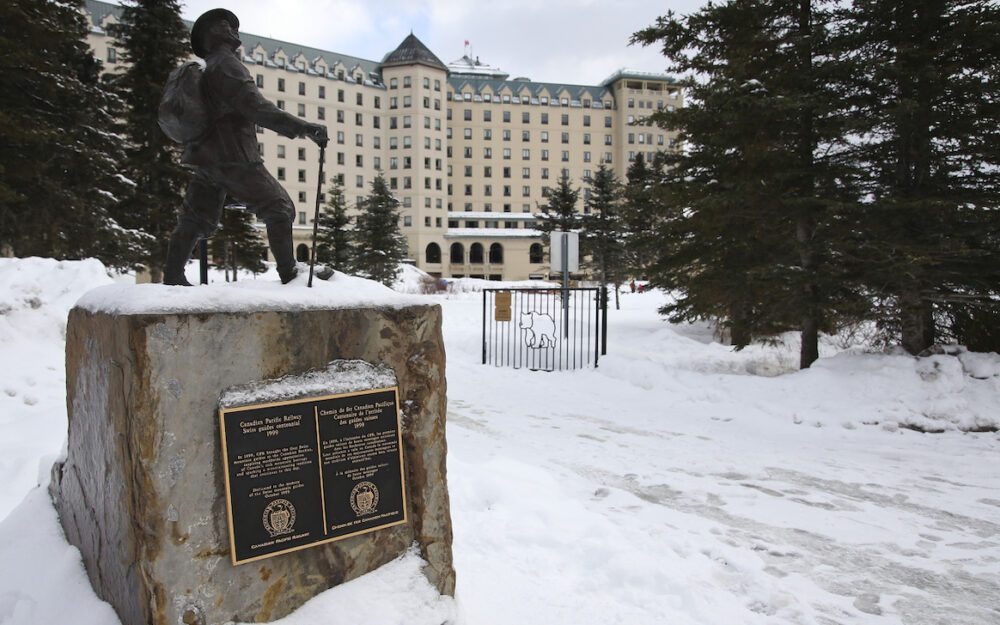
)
(470, 152)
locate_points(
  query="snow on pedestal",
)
(141, 493)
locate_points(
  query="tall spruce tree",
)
(604, 229)
(559, 214)
(379, 246)
(750, 225)
(722, 242)
(928, 119)
(333, 239)
(60, 158)
(640, 210)
(153, 41)
(237, 244)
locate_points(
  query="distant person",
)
(225, 158)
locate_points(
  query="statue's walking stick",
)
(319, 189)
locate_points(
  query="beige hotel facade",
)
(470, 153)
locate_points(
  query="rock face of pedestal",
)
(141, 493)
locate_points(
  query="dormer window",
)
(259, 58)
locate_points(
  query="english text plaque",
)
(309, 471)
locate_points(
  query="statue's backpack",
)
(183, 114)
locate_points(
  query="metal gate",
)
(542, 329)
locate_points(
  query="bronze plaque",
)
(309, 471)
(501, 303)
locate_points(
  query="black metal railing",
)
(547, 329)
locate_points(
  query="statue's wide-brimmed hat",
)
(203, 23)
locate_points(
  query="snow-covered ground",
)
(680, 482)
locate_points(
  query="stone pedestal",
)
(141, 493)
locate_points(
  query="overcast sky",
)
(566, 41)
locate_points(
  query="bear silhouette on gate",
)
(540, 329)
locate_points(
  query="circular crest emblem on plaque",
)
(279, 517)
(364, 498)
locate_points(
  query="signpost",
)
(565, 259)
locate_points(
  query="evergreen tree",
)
(333, 239)
(640, 209)
(559, 214)
(237, 244)
(928, 118)
(59, 160)
(721, 232)
(379, 246)
(604, 230)
(753, 222)
(153, 41)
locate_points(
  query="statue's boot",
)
(182, 242)
(279, 239)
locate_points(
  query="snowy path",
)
(680, 483)
(610, 502)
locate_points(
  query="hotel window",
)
(506, 115)
(631, 138)
(607, 122)
(545, 173)
(487, 115)
(302, 88)
(393, 83)
(525, 154)
(586, 157)
(407, 101)
(565, 156)
(487, 171)
(565, 120)
(302, 199)
(393, 162)
(467, 115)
(506, 135)
(545, 136)
(340, 95)
(393, 102)
(322, 92)
(545, 118)
(467, 133)
(406, 81)
(586, 138)
(359, 160)
(378, 102)
(487, 152)
(359, 181)
(281, 151)
(586, 120)
(281, 173)
(376, 122)
(468, 171)
(359, 140)
(260, 81)
(506, 153)
(467, 152)
(320, 112)
(280, 104)
(607, 139)
(487, 134)
(526, 172)
(545, 155)
(506, 172)
(526, 191)
(565, 137)
(302, 154)
(302, 110)
(281, 84)
(340, 116)
(525, 118)
(525, 135)
(407, 142)
(302, 175)
(407, 121)
(340, 158)
(358, 119)
(488, 189)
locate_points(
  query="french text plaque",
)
(309, 471)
